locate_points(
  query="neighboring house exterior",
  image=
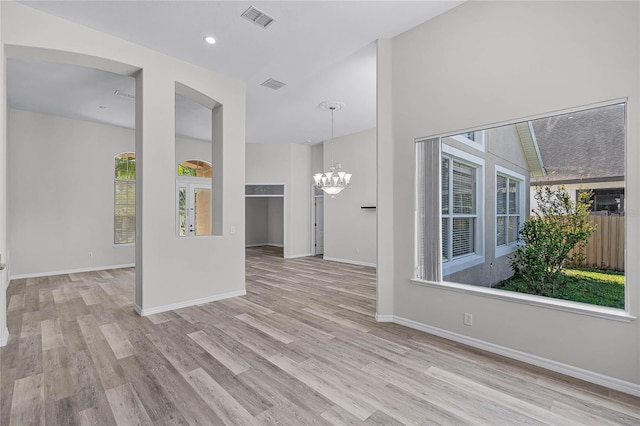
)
(584, 151)
(487, 174)
(489, 178)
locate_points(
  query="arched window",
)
(124, 211)
(195, 168)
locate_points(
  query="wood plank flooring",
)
(301, 348)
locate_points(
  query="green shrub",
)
(546, 240)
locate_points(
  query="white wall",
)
(213, 266)
(299, 209)
(192, 149)
(275, 221)
(524, 59)
(317, 158)
(255, 225)
(4, 333)
(289, 165)
(60, 192)
(349, 230)
(264, 221)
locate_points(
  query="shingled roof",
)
(583, 146)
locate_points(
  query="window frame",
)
(625, 315)
(129, 182)
(190, 183)
(478, 142)
(508, 248)
(462, 262)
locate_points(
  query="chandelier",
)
(335, 180)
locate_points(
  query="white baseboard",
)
(186, 304)
(4, 337)
(384, 318)
(295, 256)
(264, 244)
(353, 262)
(72, 271)
(558, 367)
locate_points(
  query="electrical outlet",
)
(467, 319)
(233, 229)
(90, 255)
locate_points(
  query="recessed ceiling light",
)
(210, 40)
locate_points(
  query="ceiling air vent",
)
(273, 84)
(257, 17)
(124, 94)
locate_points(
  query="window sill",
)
(505, 250)
(123, 245)
(531, 300)
(462, 263)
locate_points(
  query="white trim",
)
(478, 257)
(186, 304)
(533, 300)
(558, 367)
(462, 155)
(550, 114)
(506, 249)
(384, 318)
(264, 244)
(353, 262)
(123, 245)
(461, 263)
(4, 337)
(72, 271)
(295, 256)
(477, 145)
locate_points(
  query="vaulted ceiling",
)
(321, 50)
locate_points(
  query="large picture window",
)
(124, 209)
(540, 210)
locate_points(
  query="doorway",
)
(194, 208)
(265, 216)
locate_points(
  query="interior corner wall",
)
(60, 194)
(275, 221)
(4, 332)
(350, 230)
(256, 221)
(53, 229)
(192, 149)
(299, 209)
(287, 164)
(317, 159)
(507, 61)
(208, 267)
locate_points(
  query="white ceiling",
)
(322, 50)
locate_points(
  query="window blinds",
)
(428, 248)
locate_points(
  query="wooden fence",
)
(605, 248)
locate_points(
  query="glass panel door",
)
(202, 210)
(193, 209)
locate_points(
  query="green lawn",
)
(594, 286)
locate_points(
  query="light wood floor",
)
(301, 348)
